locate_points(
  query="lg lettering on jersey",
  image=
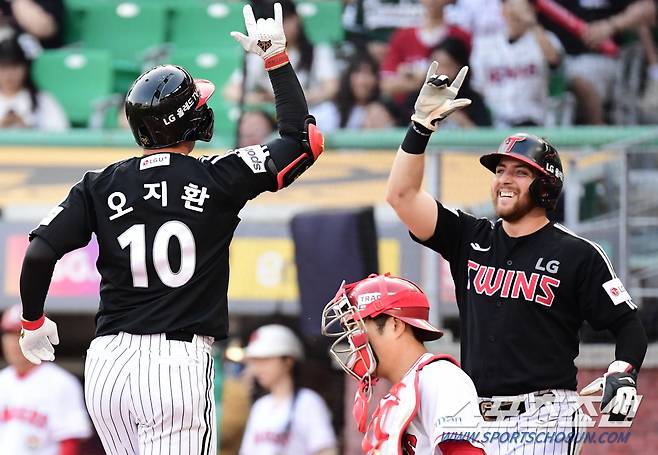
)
(504, 283)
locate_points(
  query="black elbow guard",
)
(287, 163)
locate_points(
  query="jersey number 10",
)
(135, 238)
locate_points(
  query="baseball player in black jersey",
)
(524, 285)
(164, 222)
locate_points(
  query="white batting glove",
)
(265, 37)
(436, 99)
(37, 340)
(619, 387)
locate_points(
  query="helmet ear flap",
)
(545, 191)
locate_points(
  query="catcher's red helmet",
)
(342, 318)
(394, 296)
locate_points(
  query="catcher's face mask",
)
(351, 349)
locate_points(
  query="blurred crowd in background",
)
(68, 64)
(360, 62)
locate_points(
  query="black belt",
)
(179, 336)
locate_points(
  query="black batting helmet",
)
(165, 106)
(540, 156)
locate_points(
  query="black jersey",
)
(163, 224)
(523, 300)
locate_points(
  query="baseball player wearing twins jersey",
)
(42, 411)
(524, 285)
(164, 222)
(380, 324)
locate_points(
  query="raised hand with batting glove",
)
(619, 385)
(436, 99)
(264, 37)
(37, 339)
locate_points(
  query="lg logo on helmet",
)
(553, 170)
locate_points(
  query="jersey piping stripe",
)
(206, 410)
(598, 248)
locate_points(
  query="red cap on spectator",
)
(11, 319)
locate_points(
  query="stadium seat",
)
(77, 78)
(215, 19)
(322, 20)
(126, 28)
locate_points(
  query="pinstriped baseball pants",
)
(151, 396)
(556, 427)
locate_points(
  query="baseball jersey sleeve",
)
(453, 228)
(70, 224)
(314, 420)
(602, 296)
(448, 404)
(241, 174)
(72, 421)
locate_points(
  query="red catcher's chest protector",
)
(396, 411)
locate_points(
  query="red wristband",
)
(276, 61)
(33, 325)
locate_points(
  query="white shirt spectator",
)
(310, 427)
(48, 116)
(478, 17)
(513, 77)
(323, 68)
(328, 117)
(39, 410)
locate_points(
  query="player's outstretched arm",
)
(436, 100)
(39, 333)
(301, 142)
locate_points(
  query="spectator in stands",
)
(42, 19)
(405, 65)
(289, 419)
(649, 102)
(511, 68)
(477, 17)
(255, 127)
(452, 55)
(22, 105)
(590, 73)
(42, 406)
(358, 103)
(316, 65)
(370, 23)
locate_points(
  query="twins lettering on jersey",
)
(535, 287)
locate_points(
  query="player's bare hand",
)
(436, 99)
(264, 37)
(37, 340)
